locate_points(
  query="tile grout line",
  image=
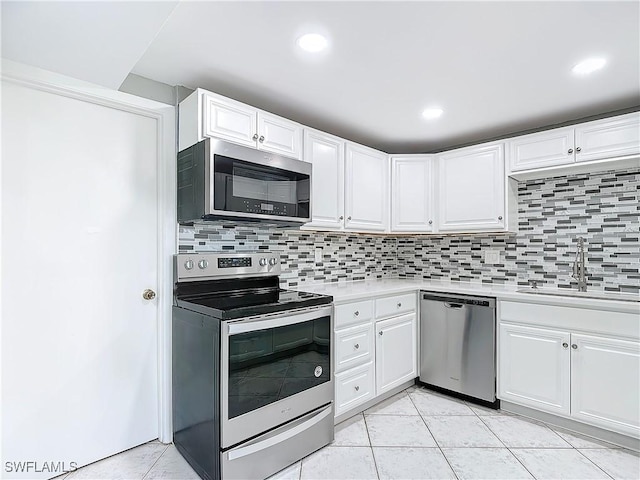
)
(505, 446)
(594, 463)
(366, 427)
(434, 439)
(166, 448)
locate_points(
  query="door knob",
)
(148, 294)
(255, 136)
(261, 139)
(357, 346)
(565, 345)
(380, 333)
(570, 151)
(574, 346)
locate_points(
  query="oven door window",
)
(268, 365)
(246, 187)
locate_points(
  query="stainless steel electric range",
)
(252, 370)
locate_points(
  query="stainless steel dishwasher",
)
(457, 344)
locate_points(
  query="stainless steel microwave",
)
(221, 180)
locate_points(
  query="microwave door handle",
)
(278, 320)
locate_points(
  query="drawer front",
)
(354, 345)
(352, 313)
(601, 322)
(354, 387)
(396, 305)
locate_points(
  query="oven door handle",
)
(280, 437)
(279, 320)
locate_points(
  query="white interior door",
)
(79, 246)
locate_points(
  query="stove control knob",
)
(263, 262)
(188, 264)
(202, 264)
(272, 261)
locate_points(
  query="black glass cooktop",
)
(228, 304)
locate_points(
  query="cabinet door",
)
(230, 120)
(326, 154)
(608, 138)
(471, 189)
(366, 189)
(605, 380)
(545, 149)
(396, 359)
(279, 135)
(412, 186)
(533, 367)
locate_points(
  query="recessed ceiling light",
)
(431, 113)
(588, 66)
(312, 42)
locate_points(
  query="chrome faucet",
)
(579, 267)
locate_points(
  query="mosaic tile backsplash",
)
(603, 208)
(344, 257)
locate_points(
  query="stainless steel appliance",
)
(580, 267)
(252, 370)
(218, 179)
(458, 344)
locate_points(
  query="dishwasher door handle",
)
(453, 305)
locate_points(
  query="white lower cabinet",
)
(591, 378)
(605, 381)
(366, 367)
(395, 352)
(354, 387)
(354, 345)
(534, 367)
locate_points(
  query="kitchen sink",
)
(625, 297)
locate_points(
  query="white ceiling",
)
(494, 67)
(98, 42)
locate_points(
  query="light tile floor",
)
(417, 434)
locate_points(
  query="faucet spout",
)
(579, 267)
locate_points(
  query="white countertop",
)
(343, 292)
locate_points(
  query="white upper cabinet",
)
(608, 138)
(545, 149)
(412, 193)
(206, 114)
(230, 120)
(279, 135)
(326, 154)
(471, 189)
(366, 189)
(350, 188)
(615, 139)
